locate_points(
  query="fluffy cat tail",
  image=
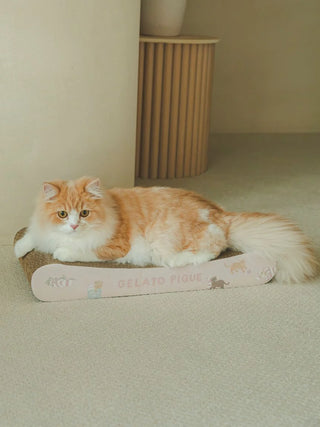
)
(277, 239)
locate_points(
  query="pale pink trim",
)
(58, 282)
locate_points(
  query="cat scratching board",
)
(52, 280)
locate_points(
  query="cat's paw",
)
(185, 258)
(64, 254)
(19, 249)
(23, 246)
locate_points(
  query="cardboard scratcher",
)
(52, 280)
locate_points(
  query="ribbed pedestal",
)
(174, 99)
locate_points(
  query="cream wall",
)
(68, 97)
(267, 63)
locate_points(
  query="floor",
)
(228, 357)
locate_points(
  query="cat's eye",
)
(62, 214)
(84, 213)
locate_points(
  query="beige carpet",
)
(237, 357)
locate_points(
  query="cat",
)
(80, 221)
(237, 266)
(218, 283)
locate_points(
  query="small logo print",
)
(215, 283)
(238, 267)
(59, 282)
(95, 290)
(267, 274)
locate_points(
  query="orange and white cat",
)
(80, 221)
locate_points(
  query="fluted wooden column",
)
(174, 100)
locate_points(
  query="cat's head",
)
(72, 206)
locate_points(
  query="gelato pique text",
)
(160, 280)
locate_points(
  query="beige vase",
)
(162, 17)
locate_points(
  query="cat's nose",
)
(74, 226)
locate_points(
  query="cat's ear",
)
(50, 191)
(94, 188)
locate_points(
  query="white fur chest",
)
(84, 241)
